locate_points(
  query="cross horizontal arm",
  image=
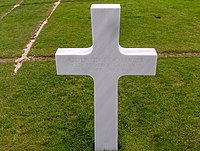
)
(137, 61)
(125, 61)
(71, 61)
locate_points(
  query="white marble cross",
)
(106, 61)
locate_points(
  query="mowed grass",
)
(3, 10)
(168, 26)
(17, 28)
(8, 2)
(69, 26)
(47, 112)
(5, 5)
(39, 2)
(42, 111)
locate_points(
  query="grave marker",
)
(106, 61)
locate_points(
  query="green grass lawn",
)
(169, 26)
(39, 2)
(8, 2)
(3, 10)
(42, 111)
(17, 28)
(5, 5)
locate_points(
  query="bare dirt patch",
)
(41, 58)
(7, 60)
(170, 54)
(165, 54)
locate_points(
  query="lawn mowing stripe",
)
(9, 11)
(19, 61)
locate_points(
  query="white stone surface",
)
(106, 61)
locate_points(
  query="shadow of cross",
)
(106, 61)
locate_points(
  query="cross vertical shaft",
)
(105, 31)
(106, 112)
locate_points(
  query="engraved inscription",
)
(105, 63)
